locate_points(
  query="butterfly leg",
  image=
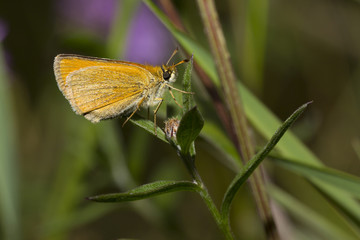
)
(172, 95)
(155, 111)
(137, 108)
(178, 89)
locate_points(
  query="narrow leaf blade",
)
(149, 127)
(147, 191)
(343, 181)
(188, 100)
(251, 165)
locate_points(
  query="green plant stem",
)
(227, 76)
(189, 161)
(228, 81)
(224, 227)
(204, 193)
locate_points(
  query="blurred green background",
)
(286, 52)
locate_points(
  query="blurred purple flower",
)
(148, 40)
(96, 15)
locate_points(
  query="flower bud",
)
(171, 127)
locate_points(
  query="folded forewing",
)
(94, 87)
(66, 64)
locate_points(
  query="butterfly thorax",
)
(162, 76)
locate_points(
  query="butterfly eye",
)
(166, 75)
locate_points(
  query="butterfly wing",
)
(100, 88)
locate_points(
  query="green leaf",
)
(343, 181)
(266, 123)
(190, 126)
(149, 127)
(147, 191)
(188, 100)
(251, 165)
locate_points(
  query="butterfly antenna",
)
(172, 55)
(181, 62)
